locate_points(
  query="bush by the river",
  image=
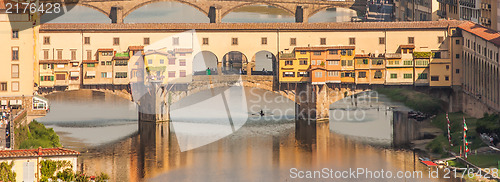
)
(36, 135)
(413, 99)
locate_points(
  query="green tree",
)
(6, 173)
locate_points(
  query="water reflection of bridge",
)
(117, 10)
(155, 153)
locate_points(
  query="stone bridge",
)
(312, 101)
(117, 10)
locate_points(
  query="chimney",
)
(39, 150)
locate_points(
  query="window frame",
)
(263, 41)
(12, 71)
(16, 50)
(16, 37)
(46, 40)
(234, 41)
(293, 41)
(116, 41)
(86, 40)
(12, 86)
(322, 41)
(352, 40)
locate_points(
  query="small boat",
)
(426, 161)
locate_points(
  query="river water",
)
(104, 128)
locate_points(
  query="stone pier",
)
(154, 106)
(312, 102)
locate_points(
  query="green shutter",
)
(41, 78)
(51, 78)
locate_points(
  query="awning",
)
(75, 74)
(16, 102)
(36, 97)
(4, 102)
(90, 73)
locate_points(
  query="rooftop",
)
(54, 61)
(483, 32)
(141, 27)
(104, 49)
(135, 48)
(323, 48)
(40, 152)
(90, 61)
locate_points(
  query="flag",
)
(449, 133)
(466, 144)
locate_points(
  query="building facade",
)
(416, 10)
(484, 12)
(481, 74)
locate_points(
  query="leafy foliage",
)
(49, 167)
(80, 177)
(66, 175)
(413, 99)
(102, 177)
(36, 135)
(423, 54)
(6, 173)
(489, 124)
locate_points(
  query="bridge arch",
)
(291, 11)
(234, 62)
(95, 8)
(320, 9)
(86, 8)
(125, 14)
(203, 60)
(263, 63)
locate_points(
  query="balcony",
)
(287, 56)
(61, 83)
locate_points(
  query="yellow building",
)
(377, 69)
(440, 70)
(54, 74)
(294, 66)
(362, 66)
(399, 66)
(120, 69)
(347, 74)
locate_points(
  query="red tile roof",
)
(480, 31)
(165, 27)
(135, 48)
(407, 46)
(54, 61)
(183, 50)
(323, 48)
(90, 61)
(362, 55)
(104, 49)
(40, 152)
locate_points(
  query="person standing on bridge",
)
(209, 72)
